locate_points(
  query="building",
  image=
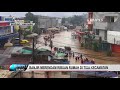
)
(105, 21)
(45, 22)
(7, 31)
(113, 37)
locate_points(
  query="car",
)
(24, 41)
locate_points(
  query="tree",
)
(31, 17)
(77, 20)
(63, 20)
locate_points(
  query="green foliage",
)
(95, 46)
(76, 20)
(63, 20)
(86, 45)
(31, 17)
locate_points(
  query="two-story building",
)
(103, 22)
(45, 22)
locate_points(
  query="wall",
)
(38, 74)
(46, 22)
(102, 34)
(100, 25)
(115, 26)
(111, 35)
(28, 74)
(110, 26)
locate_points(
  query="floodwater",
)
(64, 38)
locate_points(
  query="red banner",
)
(4, 24)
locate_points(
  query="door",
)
(116, 48)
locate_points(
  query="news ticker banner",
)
(63, 67)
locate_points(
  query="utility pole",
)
(33, 51)
(51, 22)
(19, 35)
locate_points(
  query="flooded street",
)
(64, 38)
(61, 40)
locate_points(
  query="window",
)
(109, 19)
(112, 19)
(97, 31)
(105, 35)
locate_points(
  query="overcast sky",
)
(52, 14)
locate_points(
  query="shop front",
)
(4, 38)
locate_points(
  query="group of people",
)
(48, 39)
(69, 53)
(76, 56)
(80, 57)
(87, 61)
(74, 36)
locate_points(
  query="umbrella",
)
(32, 35)
(53, 29)
(8, 44)
(61, 54)
(42, 49)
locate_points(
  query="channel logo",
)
(18, 67)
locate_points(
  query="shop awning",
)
(8, 36)
(8, 44)
(53, 29)
(61, 54)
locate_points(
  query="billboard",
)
(113, 37)
(9, 19)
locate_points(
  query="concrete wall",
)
(37, 74)
(46, 22)
(30, 75)
(115, 26)
(113, 37)
(100, 25)
(102, 34)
